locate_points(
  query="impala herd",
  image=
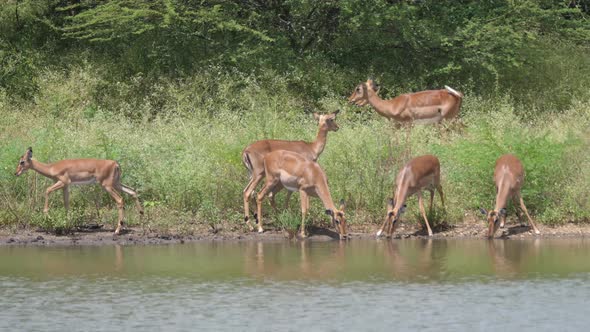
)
(293, 165)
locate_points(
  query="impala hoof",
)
(260, 231)
(379, 232)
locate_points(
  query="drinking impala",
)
(297, 173)
(253, 157)
(419, 173)
(509, 178)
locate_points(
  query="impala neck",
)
(400, 198)
(377, 103)
(502, 194)
(320, 142)
(324, 194)
(41, 168)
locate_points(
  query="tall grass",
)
(179, 143)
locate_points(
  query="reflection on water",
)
(366, 260)
(354, 285)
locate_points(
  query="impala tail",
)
(454, 92)
(247, 162)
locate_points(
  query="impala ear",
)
(390, 203)
(329, 212)
(29, 153)
(316, 116)
(375, 86)
(342, 205)
(336, 112)
(502, 212)
(483, 211)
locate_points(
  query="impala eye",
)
(22, 162)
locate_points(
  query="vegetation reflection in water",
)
(360, 260)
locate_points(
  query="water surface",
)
(540, 284)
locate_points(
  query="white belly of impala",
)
(81, 182)
(289, 182)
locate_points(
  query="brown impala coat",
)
(253, 156)
(509, 178)
(68, 172)
(431, 106)
(297, 173)
(419, 173)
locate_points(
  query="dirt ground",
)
(97, 235)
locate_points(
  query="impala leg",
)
(502, 220)
(120, 205)
(384, 228)
(431, 200)
(421, 203)
(391, 228)
(254, 180)
(289, 193)
(304, 207)
(523, 207)
(267, 187)
(518, 212)
(133, 194)
(273, 194)
(442, 197)
(56, 186)
(66, 198)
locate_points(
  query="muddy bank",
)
(137, 235)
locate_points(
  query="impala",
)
(298, 173)
(253, 157)
(80, 171)
(431, 106)
(509, 178)
(419, 173)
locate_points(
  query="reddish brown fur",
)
(509, 178)
(431, 106)
(107, 173)
(295, 172)
(253, 157)
(419, 173)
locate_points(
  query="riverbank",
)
(202, 233)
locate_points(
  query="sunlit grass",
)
(187, 160)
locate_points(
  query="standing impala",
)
(253, 156)
(419, 173)
(297, 173)
(509, 178)
(80, 171)
(431, 106)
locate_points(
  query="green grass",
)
(180, 147)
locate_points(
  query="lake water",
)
(359, 285)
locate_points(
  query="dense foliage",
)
(174, 89)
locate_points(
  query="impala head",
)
(493, 219)
(24, 163)
(394, 214)
(327, 121)
(360, 95)
(339, 220)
